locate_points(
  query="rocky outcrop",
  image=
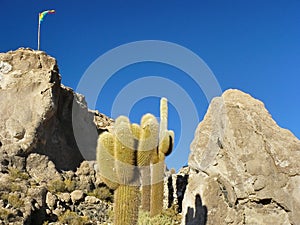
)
(244, 168)
(36, 112)
(38, 149)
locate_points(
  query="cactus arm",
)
(105, 159)
(163, 115)
(147, 147)
(166, 139)
(148, 139)
(124, 151)
(171, 143)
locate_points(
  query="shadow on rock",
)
(197, 216)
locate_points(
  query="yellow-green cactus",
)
(126, 205)
(116, 155)
(125, 154)
(148, 143)
(105, 159)
(166, 139)
(125, 158)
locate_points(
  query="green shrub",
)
(5, 214)
(167, 217)
(103, 193)
(73, 218)
(70, 185)
(17, 174)
(13, 199)
(15, 187)
(56, 186)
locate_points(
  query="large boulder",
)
(244, 168)
(36, 112)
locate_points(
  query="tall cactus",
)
(116, 155)
(166, 139)
(125, 159)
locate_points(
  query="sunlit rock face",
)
(41, 164)
(35, 109)
(244, 168)
(36, 112)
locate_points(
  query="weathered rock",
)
(91, 200)
(98, 213)
(175, 187)
(64, 197)
(85, 176)
(39, 115)
(39, 150)
(77, 196)
(41, 169)
(102, 121)
(51, 200)
(244, 168)
(34, 122)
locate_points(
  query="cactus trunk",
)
(157, 188)
(157, 198)
(145, 198)
(125, 202)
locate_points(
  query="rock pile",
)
(29, 196)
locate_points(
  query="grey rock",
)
(77, 196)
(98, 213)
(35, 122)
(175, 188)
(64, 197)
(244, 168)
(42, 143)
(91, 200)
(45, 117)
(41, 169)
(51, 200)
(85, 176)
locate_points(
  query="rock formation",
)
(36, 111)
(38, 150)
(244, 168)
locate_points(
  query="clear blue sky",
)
(253, 46)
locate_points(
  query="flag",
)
(43, 14)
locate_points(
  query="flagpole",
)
(41, 17)
(39, 33)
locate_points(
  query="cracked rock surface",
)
(244, 168)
